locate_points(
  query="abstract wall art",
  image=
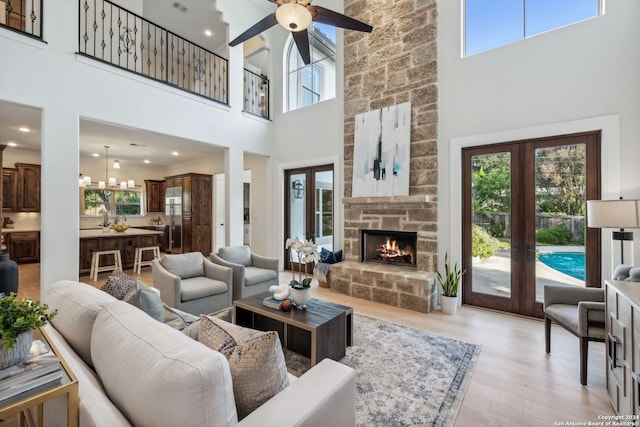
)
(381, 152)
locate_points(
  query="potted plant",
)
(449, 282)
(105, 221)
(306, 251)
(18, 317)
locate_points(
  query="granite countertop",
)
(20, 230)
(97, 233)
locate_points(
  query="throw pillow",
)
(177, 319)
(147, 300)
(119, 284)
(193, 330)
(256, 361)
(327, 256)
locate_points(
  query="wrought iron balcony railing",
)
(121, 38)
(24, 16)
(256, 94)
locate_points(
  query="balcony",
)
(256, 94)
(24, 16)
(116, 36)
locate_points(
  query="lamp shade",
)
(612, 214)
(293, 16)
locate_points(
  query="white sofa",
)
(134, 370)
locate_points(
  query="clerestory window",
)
(492, 23)
(309, 84)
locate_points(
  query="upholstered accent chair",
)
(192, 283)
(252, 273)
(581, 311)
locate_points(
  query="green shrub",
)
(482, 244)
(496, 228)
(554, 236)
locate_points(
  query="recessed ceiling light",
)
(208, 33)
(174, 153)
(12, 144)
(24, 129)
(147, 161)
(96, 155)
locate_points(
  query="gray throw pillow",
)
(119, 284)
(177, 319)
(147, 300)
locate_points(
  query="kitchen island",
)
(126, 242)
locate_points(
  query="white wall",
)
(50, 76)
(580, 77)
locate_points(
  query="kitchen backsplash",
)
(24, 220)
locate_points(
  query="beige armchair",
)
(578, 310)
(252, 273)
(192, 283)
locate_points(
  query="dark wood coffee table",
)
(323, 330)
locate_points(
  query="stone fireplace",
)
(396, 248)
(396, 63)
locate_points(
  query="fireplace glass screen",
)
(389, 247)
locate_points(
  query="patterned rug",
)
(404, 376)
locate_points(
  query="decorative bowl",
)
(120, 227)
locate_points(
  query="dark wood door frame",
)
(310, 173)
(523, 232)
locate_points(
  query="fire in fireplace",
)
(389, 247)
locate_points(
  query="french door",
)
(523, 224)
(308, 197)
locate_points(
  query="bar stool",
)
(139, 256)
(95, 262)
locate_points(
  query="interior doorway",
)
(308, 195)
(523, 204)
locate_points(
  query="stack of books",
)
(40, 367)
(271, 302)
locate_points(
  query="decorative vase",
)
(17, 354)
(301, 296)
(448, 305)
(8, 275)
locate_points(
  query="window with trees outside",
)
(324, 211)
(493, 23)
(309, 84)
(115, 202)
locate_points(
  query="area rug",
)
(404, 376)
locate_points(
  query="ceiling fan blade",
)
(326, 16)
(265, 24)
(302, 42)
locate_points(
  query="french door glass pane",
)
(560, 216)
(297, 208)
(324, 209)
(491, 223)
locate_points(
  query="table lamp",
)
(619, 214)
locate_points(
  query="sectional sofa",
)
(135, 370)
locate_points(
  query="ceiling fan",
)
(296, 16)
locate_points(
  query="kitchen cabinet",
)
(155, 195)
(197, 205)
(28, 187)
(124, 242)
(24, 246)
(9, 190)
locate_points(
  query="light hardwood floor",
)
(514, 382)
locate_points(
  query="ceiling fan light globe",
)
(293, 16)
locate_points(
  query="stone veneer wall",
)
(395, 63)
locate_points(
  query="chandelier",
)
(109, 181)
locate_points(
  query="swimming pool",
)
(569, 263)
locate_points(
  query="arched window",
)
(315, 82)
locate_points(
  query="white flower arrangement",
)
(307, 252)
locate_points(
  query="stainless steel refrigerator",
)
(173, 212)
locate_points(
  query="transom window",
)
(492, 23)
(309, 84)
(114, 201)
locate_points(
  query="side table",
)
(21, 403)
